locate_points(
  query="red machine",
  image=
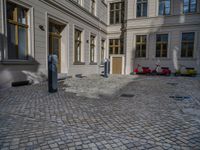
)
(145, 70)
(161, 71)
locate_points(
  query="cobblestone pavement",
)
(151, 118)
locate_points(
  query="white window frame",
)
(82, 44)
(136, 10)
(30, 50)
(95, 47)
(168, 45)
(104, 56)
(95, 1)
(147, 45)
(195, 45)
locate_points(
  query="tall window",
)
(142, 8)
(17, 31)
(78, 1)
(116, 13)
(189, 6)
(187, 44)
(93, 7)
(77, 52)
(141, 45)
(115, 46)
(164, 7)
(161, 45)
(92, 48)
(102, 50)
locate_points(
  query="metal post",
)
(52, 73)
(106, 68)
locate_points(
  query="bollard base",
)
(53, 90)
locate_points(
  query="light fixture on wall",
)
(41, 27)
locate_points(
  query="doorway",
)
(55, 29)
(117, 65)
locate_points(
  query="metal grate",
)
(172, 83)
(127, 95)
(180, 98)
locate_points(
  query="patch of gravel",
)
(93, 86)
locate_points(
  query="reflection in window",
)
(116, 13)
(141, 45)
(115, 46)
(189, 6)
(17, 31)
(77, 46)
(161, 45)
(142, 8)
(92, 48)
(187, 44)
(164, 7)
(102, 50)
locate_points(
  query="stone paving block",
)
(31, 118)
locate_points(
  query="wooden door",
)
(117, 65)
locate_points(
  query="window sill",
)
(142, 17)
(78, 63)
(187, 59)
(141, 58)
(101, 65)
(190, 13)
(161, 58)
(93, 63)
(117, 24)
(19, 62)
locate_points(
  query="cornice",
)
(96, 23)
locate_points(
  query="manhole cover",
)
(180, 98)
(127, 95)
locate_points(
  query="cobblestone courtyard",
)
(147, 113)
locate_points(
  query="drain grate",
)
(180, 98)
(172, 83)
(127, 95)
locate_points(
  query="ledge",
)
(78, 63)
(20, 62)
(93, 63)
(187, 59)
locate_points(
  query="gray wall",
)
(70, 14)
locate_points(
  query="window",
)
(141, 45)
(187, 44)
(17, 31)
(142, 8)
(92, 48)
(93, 7)
(78, 1)
(161, 45)
(115, 46)
(102, 50)
(164, 7)
(189, 6)
(116, 13)
(77, 46)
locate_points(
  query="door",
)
(55, 48)
(116, 65)
(55, 41)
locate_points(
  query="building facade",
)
(31, 30)
(164, 32)
(84, 32)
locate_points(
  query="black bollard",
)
(106, 68)
(52, 73)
